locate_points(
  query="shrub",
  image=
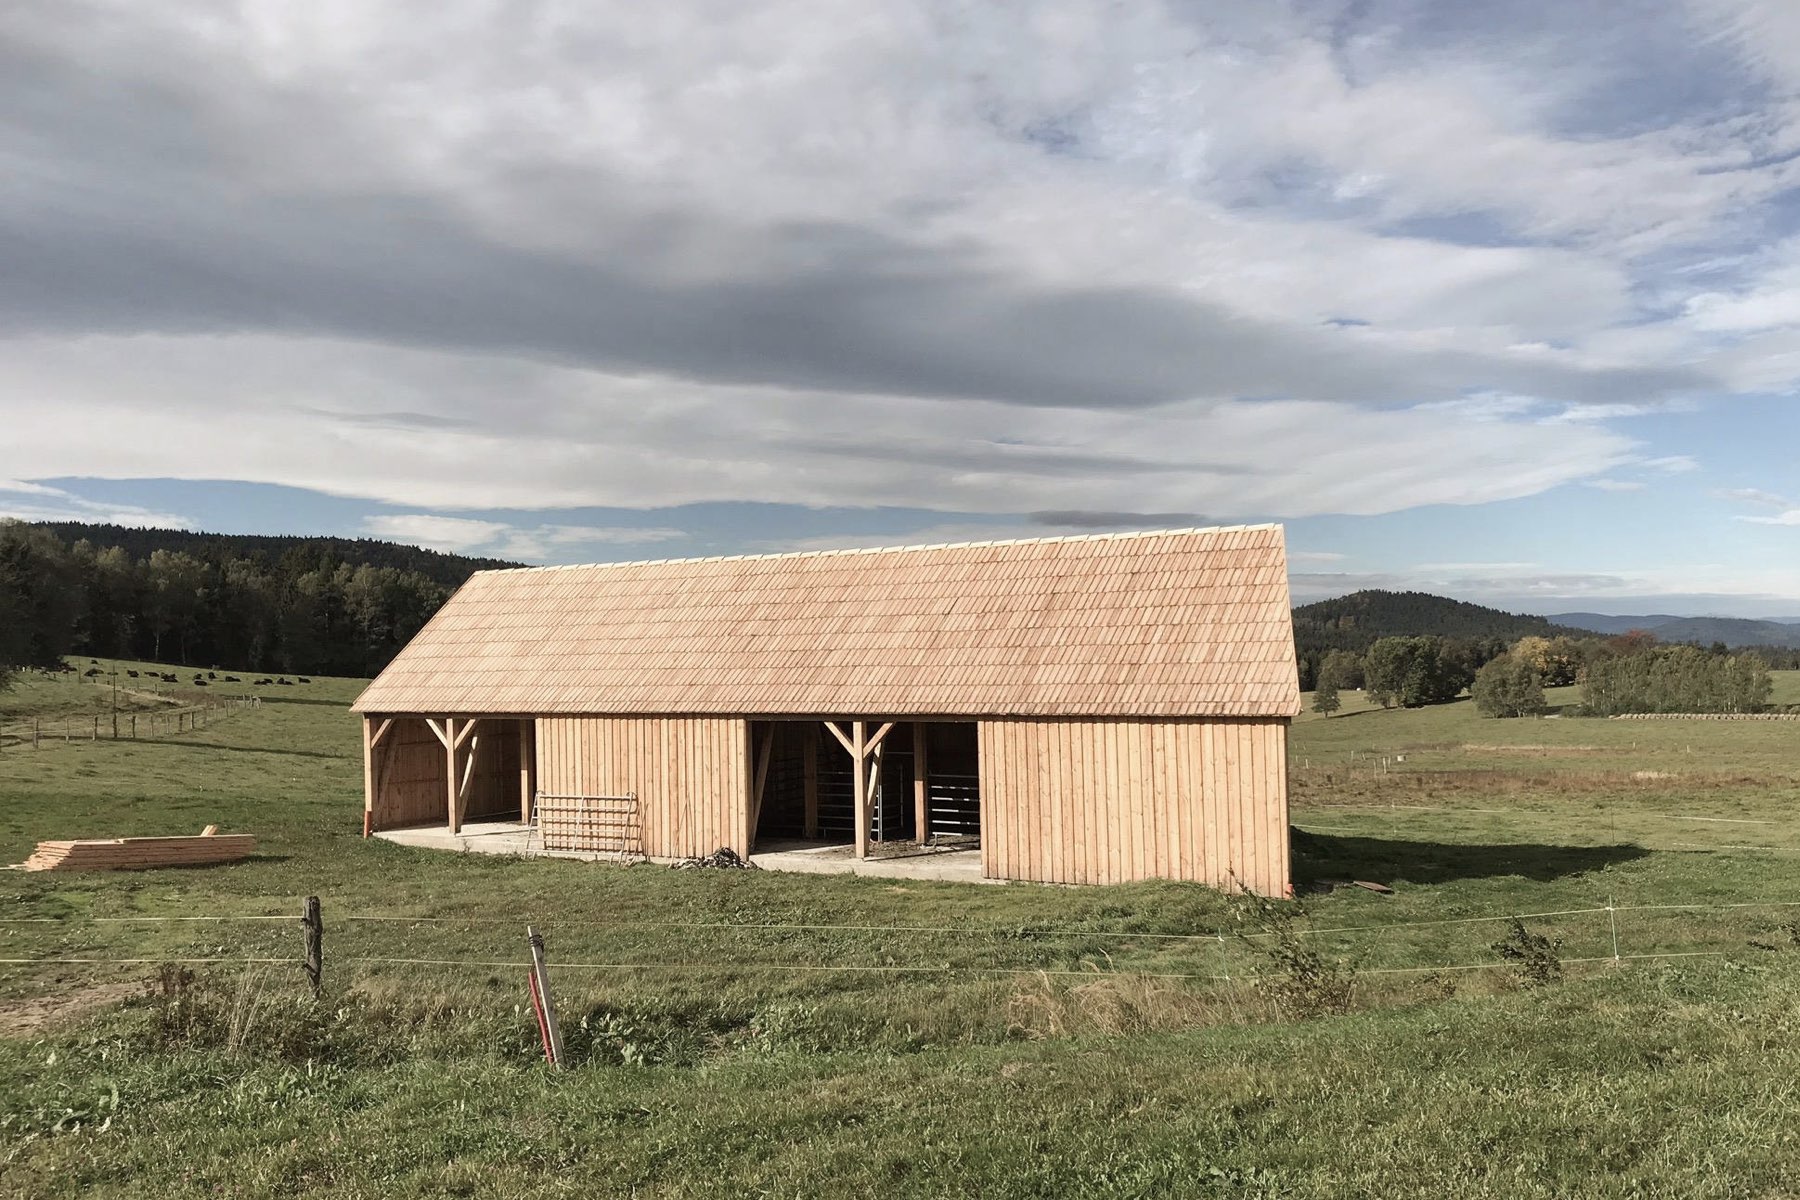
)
(1534, 954)
(1299, 982)
(1508, 687)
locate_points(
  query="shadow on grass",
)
(1385, 860)
(183, 744)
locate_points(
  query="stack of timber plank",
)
(140, 853)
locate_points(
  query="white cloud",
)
(1615, 485)
(47, 503)
(1755, 496)
(499, 539)
(1789, 517)
(519, 435)
(456, 535)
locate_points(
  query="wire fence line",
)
(140, 724)
(1087, 968)
(978, 931)
(1026, 930)
(941, 969)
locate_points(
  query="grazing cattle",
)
(304, 679)
(261, 683)
(211, 675)
(199, 682)
(284, 681)
(170, 678)
(131, 673)
(232, 679)
(91, 671)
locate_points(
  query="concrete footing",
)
(509, 837)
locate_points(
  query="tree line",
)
(303, 611)
(1355, 622)
(1631, 673)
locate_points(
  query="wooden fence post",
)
(315, 944)
(546, 1007)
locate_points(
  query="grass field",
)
(1001, 1041)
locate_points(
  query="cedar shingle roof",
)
(1179, 623)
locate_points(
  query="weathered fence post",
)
(540, 994)
(314, 926)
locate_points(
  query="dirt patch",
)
(34, 1014)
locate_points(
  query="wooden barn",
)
(1088, 709)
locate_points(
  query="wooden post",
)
(134, 727)
(540, 977)
(368, 740)
(34, 733)
(96, 734)
(468, 766)
(921, 782)
(760, 786)
(315, 944)
(452, 815)
(810, 781)
(860, 784)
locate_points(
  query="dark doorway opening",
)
(808, 785)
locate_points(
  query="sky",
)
(1495, 300)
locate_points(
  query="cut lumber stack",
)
(140, 853)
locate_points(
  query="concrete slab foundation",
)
(958, 865)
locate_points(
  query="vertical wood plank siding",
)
(410, 765)
(1112, 801)
(690, 774)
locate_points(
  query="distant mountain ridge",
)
(1733, 631)
(450, 570)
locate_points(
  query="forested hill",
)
(1355, 621)
(308, 605)
(304, 553)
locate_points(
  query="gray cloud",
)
(179, 230)
(1081, 519)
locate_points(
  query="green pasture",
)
(748, 1033)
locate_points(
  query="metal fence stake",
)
(540, 983)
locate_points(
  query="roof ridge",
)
(1057, 538)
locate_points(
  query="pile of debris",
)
(724, 858)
